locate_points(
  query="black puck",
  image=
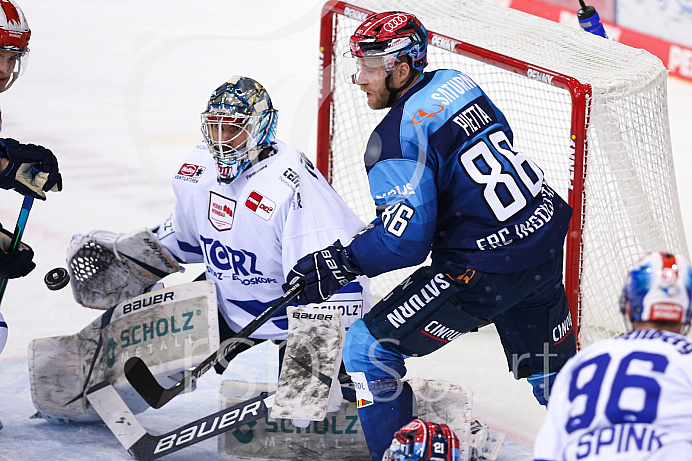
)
(57, 278)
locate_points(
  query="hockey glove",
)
(325, 272)
(30, 170)
(17, 263)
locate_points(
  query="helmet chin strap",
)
(394, 92)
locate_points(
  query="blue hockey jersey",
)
(445, 178)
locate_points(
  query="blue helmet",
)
(658, 288)
(238, 124)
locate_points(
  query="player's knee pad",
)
(171, 330)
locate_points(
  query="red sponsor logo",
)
(253, 200)
(394, 23)
(190, 170)
(260, 205)
(666, 312)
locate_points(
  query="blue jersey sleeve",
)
(404, 191)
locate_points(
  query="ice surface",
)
(115, 90)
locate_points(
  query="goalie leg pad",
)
(171, 329)
(308, 383)
(338, 437)
(58, 367)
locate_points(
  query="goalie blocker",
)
(171, 329)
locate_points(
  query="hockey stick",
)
(18, 232)
(144, 382)
(144, 446)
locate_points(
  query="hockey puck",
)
(57, 278)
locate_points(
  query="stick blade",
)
(115, 413)
(141, 379)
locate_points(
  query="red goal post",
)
(591, 112)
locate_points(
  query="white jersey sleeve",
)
(178, 239)
(250, 233)
(317, 218)
(628, 398)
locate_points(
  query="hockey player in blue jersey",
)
(447, 183)
(630, 397)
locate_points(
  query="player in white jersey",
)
(248, 206)
(630, 398)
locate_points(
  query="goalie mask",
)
(14, 43)
(423, 440)
(238, 124)
(658, 288)
(387, 36)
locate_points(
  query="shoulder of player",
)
(442, 86)
(197, 165)
(295, 166)
(678, 342)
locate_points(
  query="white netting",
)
(630, 200)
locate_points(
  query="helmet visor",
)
(368, 67)
(15, 62)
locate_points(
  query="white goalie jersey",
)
(250, 233)
(627, 398)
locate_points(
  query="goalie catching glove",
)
(31, 170)
(107, 268)
(325, 272)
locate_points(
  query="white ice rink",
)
(115, 90)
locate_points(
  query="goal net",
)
(591, 112)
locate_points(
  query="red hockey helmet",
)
(14, 38)
(14, 30)
(421, 441)
(388, 35)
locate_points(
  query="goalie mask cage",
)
(592, 113)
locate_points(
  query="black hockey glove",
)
(17, 263)
(32, 170)
(325, 272)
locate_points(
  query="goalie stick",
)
(18, 231)
(144, 446)
(143, 381)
